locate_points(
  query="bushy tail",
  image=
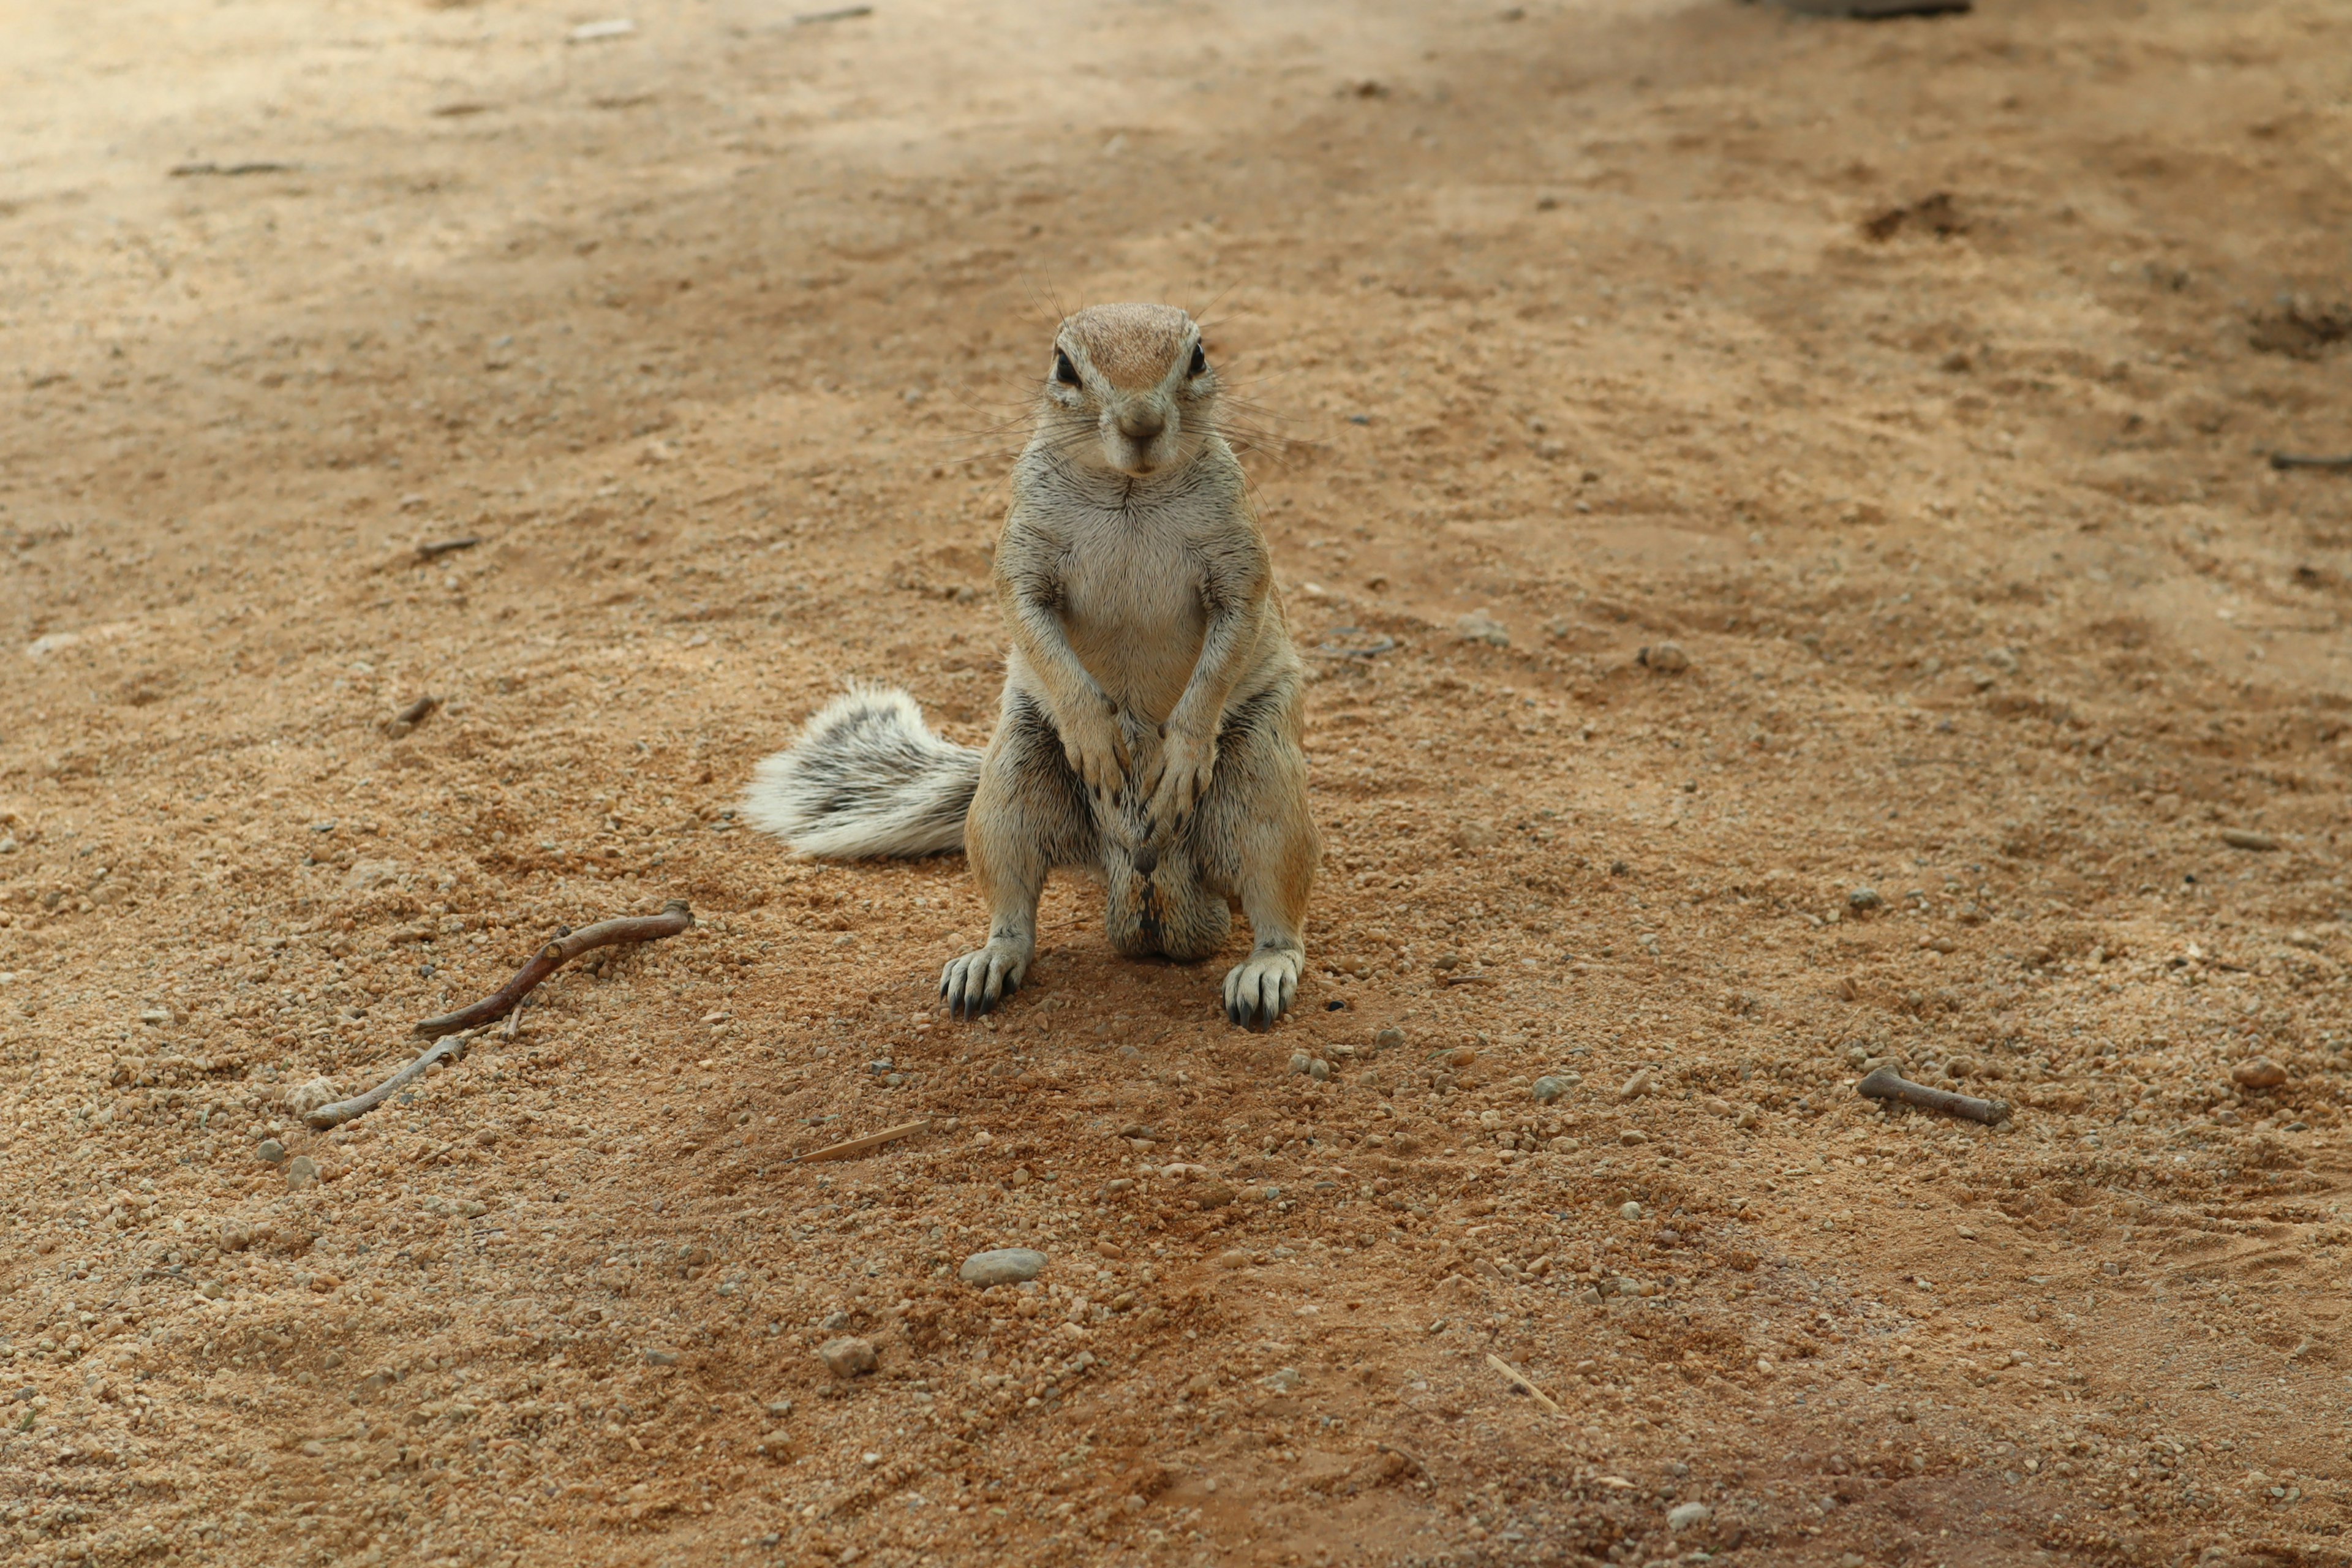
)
(867, 780)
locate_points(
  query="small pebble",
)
(1642, 1082)
(2248, 838)
(1236, 1258)
(1548, 1090)
(1664, 658)
(2258, 1072)
(1629, 1211)
(847, 1356)
(1004, 1266)
(1864, 899)
(272, 1152)
(661, 1357)
(1683, 1515)
(1633, 1137)
(1388, 1039)
(1480, 627)
(301, 1171)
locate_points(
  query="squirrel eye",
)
(1064, 371)
(1200, 365)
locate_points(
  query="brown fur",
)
(1154, 707)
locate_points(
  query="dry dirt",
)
(1913, 379)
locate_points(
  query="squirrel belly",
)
(867, 780)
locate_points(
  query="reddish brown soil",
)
(1913, 379)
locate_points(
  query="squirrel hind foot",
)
(1261, 990)
(979, 981)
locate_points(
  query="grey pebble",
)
(1388, 1039)
(847, 1356)
(301, 1171)
(272, 1152)
(1864, 898)
(1550, 1088)
(1005, 1266)
(1683, 1515)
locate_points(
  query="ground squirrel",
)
(1150, 729)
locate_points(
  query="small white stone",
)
(1005, 1266)
(1683, 1515)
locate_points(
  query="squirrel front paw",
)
(1096, 749)
(1185, 764)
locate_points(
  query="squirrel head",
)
(1129, 389)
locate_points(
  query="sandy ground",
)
(1912, 380)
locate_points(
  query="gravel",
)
(1004, 1266)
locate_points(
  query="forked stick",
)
(569, 944)
(506, 999)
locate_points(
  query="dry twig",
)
(452, 1031)
(406, 721)
(446, 1050)
(856, 1146)
(569, 944)
(1515, 1375)
(433, 550)
(1885, 1083)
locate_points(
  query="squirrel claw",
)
(1260, 990)
(976, 983)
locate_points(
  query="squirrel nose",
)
(1141, 426)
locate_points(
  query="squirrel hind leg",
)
(1253, 836)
